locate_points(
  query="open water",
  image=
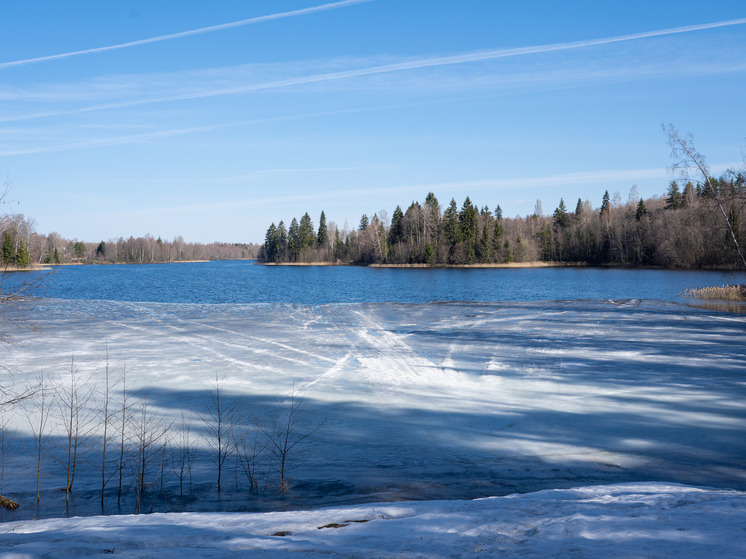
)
(245, 282)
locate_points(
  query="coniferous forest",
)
(682, 229)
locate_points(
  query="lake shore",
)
(533, 264)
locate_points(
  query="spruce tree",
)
(282, 241)
(307, 236)
(294, 240)
(270, 243)
(8, 248)
(22, 256)
(641, 210)
(56, 256)
(322, 238)
(605, 204)
(451, 225)
(560, 215)
(579, 208)
(498, 213)
(396, 232)
(485, 247)
(673, 200)
(363, 223)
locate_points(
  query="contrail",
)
(270, 17)
(424, 63)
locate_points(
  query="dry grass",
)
(721, 293)
(7, 503)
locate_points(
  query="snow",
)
(624, 520)
(430, 403)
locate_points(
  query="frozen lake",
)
(420, 401)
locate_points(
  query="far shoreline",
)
(533, 264)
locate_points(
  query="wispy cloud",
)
(148, 136)
(442, 189)
(383, 69)
(231, 25)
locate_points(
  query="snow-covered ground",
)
(628, 520)
(438, 401)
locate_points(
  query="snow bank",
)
(625, 520)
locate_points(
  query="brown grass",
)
(7, 503)
(720, 293)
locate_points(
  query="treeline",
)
(683, 228)
(22, 245)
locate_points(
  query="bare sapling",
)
(36, 411)
(220, 421)
(106, 416)
(149, 432)
(74, 396)
(288, 435)
(182, 454)
(123, 419)
(250, 444)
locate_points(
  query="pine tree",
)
(451, 226)
(560, 215)
(22, 256)
(396, 232)
(605, 204)
(282, 241)
(307, 236)
(485, 247)
(294, 239)
(101, 248)
(498, 213)
(429, 255)
(8, 248)
(468, 224)
(363, 223)
(673, 200)
(322, 238)
(270, 243)
(641, 210)
(508, 254)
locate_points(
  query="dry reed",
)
(7, 503)
(722, 292)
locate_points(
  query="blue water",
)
(244, 282)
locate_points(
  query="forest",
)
(683, 228)
(22, 246)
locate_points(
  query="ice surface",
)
(434, 401)
(626, 520)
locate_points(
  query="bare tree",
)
(287, 435)
(106, 416)
(36, 410)
(250, 443)
(682, 149)
(148, 436)
(220, 420)
(74, 396)
(182, 454)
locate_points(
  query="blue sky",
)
(351, 109)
